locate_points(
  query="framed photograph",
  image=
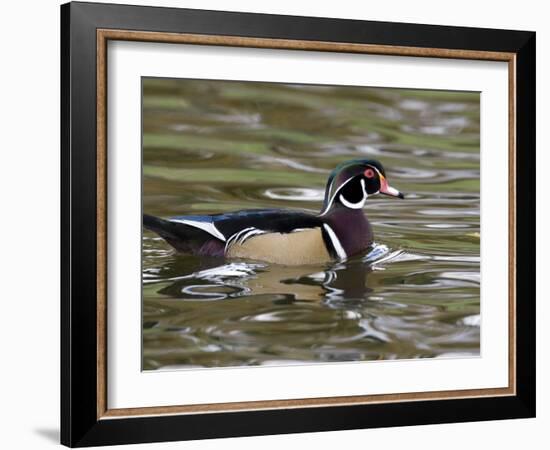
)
(276, 224)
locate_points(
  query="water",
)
(211, 146)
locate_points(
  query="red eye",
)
(369, 173)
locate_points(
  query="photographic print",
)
(300, 224)
(291, 207)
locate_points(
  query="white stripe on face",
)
(331, 200)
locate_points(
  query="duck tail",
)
(156, 224)
(182, 237)
(177, 235)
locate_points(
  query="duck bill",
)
(386, 189)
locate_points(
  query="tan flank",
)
(299, 247)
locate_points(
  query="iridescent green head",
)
(352, 182)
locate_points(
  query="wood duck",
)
(287, 237)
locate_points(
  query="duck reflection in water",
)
(210, 280)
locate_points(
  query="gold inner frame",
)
(103, 36)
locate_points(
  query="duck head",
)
(352, 182)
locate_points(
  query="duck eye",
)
(369, 173)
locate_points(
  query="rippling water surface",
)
(212, 146)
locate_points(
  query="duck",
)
(282, 236)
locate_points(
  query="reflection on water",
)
(220, 146)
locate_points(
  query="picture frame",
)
(86, 29)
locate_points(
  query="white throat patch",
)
(346, 203)
(361, 203)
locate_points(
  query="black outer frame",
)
(79, 423)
